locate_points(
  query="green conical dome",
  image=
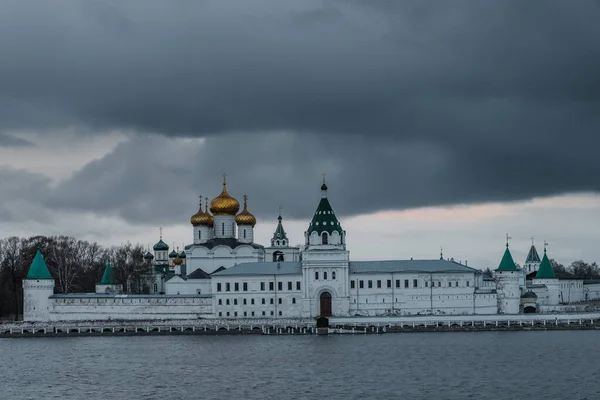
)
(507, 263)
(161, 246)
(173, 254)
(38, 268)
(108, 277)
(182, 254)
(545, 270)
(324, 219)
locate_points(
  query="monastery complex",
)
(224, 274)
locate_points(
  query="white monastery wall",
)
(592, 291)
(571, 291)
(128, 307)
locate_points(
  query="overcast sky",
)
(438, 123)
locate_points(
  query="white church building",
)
(223, 273)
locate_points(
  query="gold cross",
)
(200, 197)
(245, 200)
(160, 229)
(224, 179)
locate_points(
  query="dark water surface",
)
(507, 365)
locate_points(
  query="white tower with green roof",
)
(38, 286)
(325, 264)
(107, 284)
(508, 292)
(546, 276)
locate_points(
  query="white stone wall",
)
(257, 296)
(128, 307)
(592, 291)
(176, 286)
(508, 292)
(224, 226)
(552, 295)
(245, 233)
(413, 293)
(571, 291)
(221, 256)
(36, 293)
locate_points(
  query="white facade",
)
(228, 277)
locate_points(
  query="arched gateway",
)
(325, 304)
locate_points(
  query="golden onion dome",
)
(201, 217)
(245, 218)
(224, 204)
(178, 260)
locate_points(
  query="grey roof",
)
(229, 242)
(221, 268)
(171, 275)
(437, 266)
(263, 268)
(535, 286)
(532, 256)
(198, 274)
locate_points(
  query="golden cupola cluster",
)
(224, 204)
(245, 217)
(202, 217)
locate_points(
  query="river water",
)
(481, 365)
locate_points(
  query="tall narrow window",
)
(325, 275)
(316, 275)
(244, 234)
(333, 275)
(223, 228)
(324, 238)
(199, 235)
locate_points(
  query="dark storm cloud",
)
(405, 103)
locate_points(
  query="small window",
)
(228, 313)
(220, 302)
(361, 284)
(333, 275)
(235, 314)
(316, 275)
(280, 313)
(449, 284)
(218, 287)
(271, 286)
(272, 313)
(352, 284)
(245, 286)
(199, 235)
(389, 283)
(290, 285)
(456, 284)
(236, 287)
(293, 300)
(280, 300)
(467, 283)
(324, 238)
(397, 283)
(298, 285)
(272, 300)
(439, 284)
(279, 285)
(227, 287)
(220, 314)
(370, 284)
(263, 313)
(235, 302)
(252, 313)
(262, 286)
(406, 283)
(415, 283)
(227, 301)
(378, 284)
(223, 229)
(325, 275)
(244, 233)
(264, 301)
(252, 301)
(244, 301)
(426, 284)
(245, 314)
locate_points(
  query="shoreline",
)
(304, 326)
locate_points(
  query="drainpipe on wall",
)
(431, 292)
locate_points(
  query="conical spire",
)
(108, 277)
(324, 219)
(545, 271)
(38, 268)
(532, 256)
(279, 231)
(507, 263)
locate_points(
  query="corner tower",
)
(546, 276)
(38, 286)
(507, 284)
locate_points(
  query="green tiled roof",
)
(173, 254)
(161, 246)
(148, 256)
(545, 271)
(182, 254)
(108, 277)
(324, 219)
(279, 232)
(507, 263)
(38, 268)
